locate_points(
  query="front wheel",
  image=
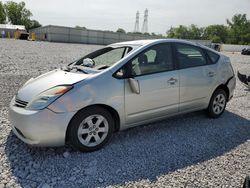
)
(91, 129)
(217, 103)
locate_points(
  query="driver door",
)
(158, 81)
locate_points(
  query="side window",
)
(151, 54)
(189, 56)
(156, 59)
(213, 56)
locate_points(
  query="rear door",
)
(197, 77)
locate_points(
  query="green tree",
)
(120, 30)
(148, 34)
(2, 14)
(180, 32)
(195, 32)
(184, 32)
(80, 27)
(34, 24)
(17, 14)
(216, 33)
(239, 29)
(138, 33)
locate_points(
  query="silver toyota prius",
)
(120, 86)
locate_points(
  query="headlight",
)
(47, 97)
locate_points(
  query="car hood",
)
(35, 86)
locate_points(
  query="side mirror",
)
(134, 85)
(88, 62)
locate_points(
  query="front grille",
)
(20, 103)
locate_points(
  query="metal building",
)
(7, 28)
(53, 33)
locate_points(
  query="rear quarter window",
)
(213, 56)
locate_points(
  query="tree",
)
(183, 32)
(17, 14)
(80, 27)
(120, 30)
(239, 29)
(2, 14)
(148, 34)
(34, 24)
(216, 33)
(180, 32)
(195, 32)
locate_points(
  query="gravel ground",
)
(186, 151)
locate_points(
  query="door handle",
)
(172, 81)
(211, 74)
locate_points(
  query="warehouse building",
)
(7, 30)
(53, 33)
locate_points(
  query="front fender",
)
(104, 90)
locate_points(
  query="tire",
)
(217, 104)
(90, 129)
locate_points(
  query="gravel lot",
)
(187, 151)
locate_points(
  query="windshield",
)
(104, 57)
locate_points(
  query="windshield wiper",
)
(101, 67)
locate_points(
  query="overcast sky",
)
(114, 14)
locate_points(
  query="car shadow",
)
(144, 152)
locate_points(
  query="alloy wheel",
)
(93, 130)
(219, 103)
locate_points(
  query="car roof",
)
(139, 43)
(143, 44)
(135, 42)
(150, 41)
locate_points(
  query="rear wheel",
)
(91, 129)
(217, 103)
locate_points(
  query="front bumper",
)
(39, 128)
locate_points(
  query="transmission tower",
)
(136, 29)
(145, 22)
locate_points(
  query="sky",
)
(114, 14)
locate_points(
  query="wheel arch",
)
(225, 88)
(110, 109)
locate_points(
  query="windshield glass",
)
(109, 57)
(104, 57)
